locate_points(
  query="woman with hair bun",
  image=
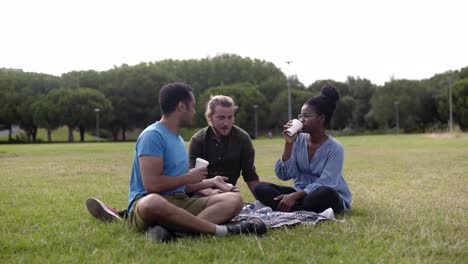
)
(313, 159)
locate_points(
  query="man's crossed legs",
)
(154, 213)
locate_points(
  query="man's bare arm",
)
(155, 182)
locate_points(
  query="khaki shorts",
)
(193, 205)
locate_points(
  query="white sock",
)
(221, 230)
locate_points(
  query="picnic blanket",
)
(274, 219)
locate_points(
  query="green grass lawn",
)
(410, 205)
(58, 135)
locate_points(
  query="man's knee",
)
(237, 199)
(152, 206)
(231, 200)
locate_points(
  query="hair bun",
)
(330, 92)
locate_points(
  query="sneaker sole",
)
(100, 211)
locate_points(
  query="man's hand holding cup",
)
(197, 175)
(200, 171)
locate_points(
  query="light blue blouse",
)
(324, 169)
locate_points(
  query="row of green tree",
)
(127, 97)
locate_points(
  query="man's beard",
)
(221, 134)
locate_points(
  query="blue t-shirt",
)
(156, 140)
(324, 169)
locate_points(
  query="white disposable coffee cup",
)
(201, 163)
(295, 126)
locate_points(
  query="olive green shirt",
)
(233, 154)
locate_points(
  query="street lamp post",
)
(256, 121)
(97, 122)
(450, 105)
(397, 119)
(289, 93)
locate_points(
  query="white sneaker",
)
(328, 213)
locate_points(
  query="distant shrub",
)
(187, 133)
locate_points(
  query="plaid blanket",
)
(276, 219)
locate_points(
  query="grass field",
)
(410, 205)
(58, 135)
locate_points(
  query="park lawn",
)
(410, 205)
(58, 135)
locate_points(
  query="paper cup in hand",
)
(201, 163)
(295, 126)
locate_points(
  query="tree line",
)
(127, 97)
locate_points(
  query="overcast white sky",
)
(328, 39)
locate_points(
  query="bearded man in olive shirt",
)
(226, 147)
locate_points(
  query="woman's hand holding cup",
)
(292, 130)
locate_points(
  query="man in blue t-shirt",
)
(161, 177)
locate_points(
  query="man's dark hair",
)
(171, 94)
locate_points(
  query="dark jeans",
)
(316, 201)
